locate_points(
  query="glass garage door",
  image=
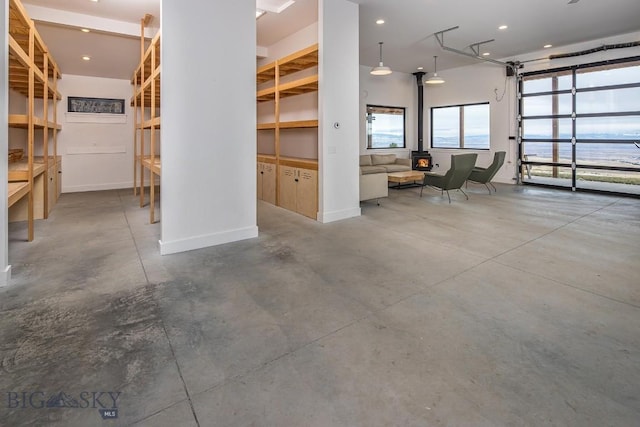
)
(579, 127)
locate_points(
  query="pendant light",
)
(435, 79)
(381, 70)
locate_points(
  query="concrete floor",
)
(517, 309)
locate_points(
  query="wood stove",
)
(420, 159)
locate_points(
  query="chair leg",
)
(485, 184)
(494, 188)
(465, 194)
(448, 195)
(421, 188)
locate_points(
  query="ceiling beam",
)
(78, 20)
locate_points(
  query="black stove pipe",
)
(419, 76)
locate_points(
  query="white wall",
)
(208, 131)
(5, 268)
(338, 104)
(395, 90)
(292, 43)
(95, 156)
(474, 84)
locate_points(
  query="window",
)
(385, 127)
(461, 126)
(580, 126)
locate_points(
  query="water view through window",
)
(461, 126)
(581, 127)
(385, 127)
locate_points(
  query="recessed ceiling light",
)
(503, 27)
(85, 30)
(380, 21)
(486, 54)
(86, 58)
(547, 46)
(95, 1)
(420, 68)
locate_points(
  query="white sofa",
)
(373, 174)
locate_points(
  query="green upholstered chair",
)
(461, 166)
(485, 175)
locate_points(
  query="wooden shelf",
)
(147, 64)
(266, 126)
(152, 123)
(266, 73)
(153, 165)
(17, 190)
(265, 95)
(293, 175)
(19, 171)
(146, 102)
(299, 87)
(33, 73)
(22, 121)
(19, 68)
(299, 124)
(298, 162)
(299, 61)
(267, 158)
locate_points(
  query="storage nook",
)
(288, 132)
(146, 106)
(34, 165)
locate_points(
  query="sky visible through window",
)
(446, 127)
(622, 100)
(386, 127)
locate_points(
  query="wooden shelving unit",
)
(34, 74)
(294, 179)
(146, 104)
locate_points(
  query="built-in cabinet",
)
(146, 107)
(34, 166)
(266, 181)
(298, 190)
(280, 138)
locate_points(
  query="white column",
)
(338, 101)
(5, 268)
(208, 113)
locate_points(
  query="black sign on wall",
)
(76, 104)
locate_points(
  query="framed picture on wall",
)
(77, 104)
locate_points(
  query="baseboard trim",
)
(97, 187)
(5, 276)
(199, 242)
(326, 217)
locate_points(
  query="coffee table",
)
(406, 179)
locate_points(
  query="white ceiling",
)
(120, 10)
(410, 25)
(407, 34)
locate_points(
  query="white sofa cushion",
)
(383, 159)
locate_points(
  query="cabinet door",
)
(259, 174)
(307, 193)
(288, 187)
(58, 179)
(52, 188)
(269, 183)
